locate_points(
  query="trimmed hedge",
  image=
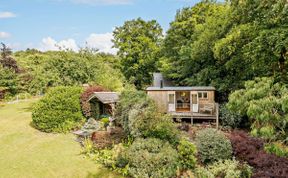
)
(212, 145)
(59, 110)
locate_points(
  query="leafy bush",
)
(277, 148)
(265, 102)
(151, 158)
(139, 117)
(228, 118)
(212, 145)
(187, 152)
(59, 110)
(225, 169)
(128, 100)
(251, 150)
(85, 96)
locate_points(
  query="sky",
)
(50, 24)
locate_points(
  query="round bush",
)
(59, 110)
(187, 152)
(212, 145)
(228, 118)
(151, 158)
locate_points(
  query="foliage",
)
(105, 139)
(225, 169)
(227, 43)
(151, 158)
(85, 96)
(9, 82)
(187, 153)
(59, 110)
(212, 145)
(250, 150)
(228, 118)
(277, 148)
(265, 103)
(138, 42)
(68, 68)
(6, 60)
(139, 117)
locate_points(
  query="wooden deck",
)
(192, 115)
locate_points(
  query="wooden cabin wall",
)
(160, 97)
(211, 99)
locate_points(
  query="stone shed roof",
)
(105, 97)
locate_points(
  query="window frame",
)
(201, 95)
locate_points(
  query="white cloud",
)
(7, 15)
(102, 42)
(49, 44)
(103, 2)
(4, 35)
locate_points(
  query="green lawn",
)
(26, 152)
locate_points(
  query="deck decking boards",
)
(192, 115)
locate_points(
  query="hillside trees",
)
(138, 42)
(226, 44)
(68, 68)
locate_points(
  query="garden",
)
(141, 142)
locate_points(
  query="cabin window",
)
(171, 98)
(203, 95)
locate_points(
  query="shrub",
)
(139, 117)
(225, 169)
(129, 99)
(104, 139)
(59, 110)
(85, 104)
(250, 150)
(265, 103)
(212, 145)
(187, 152)
(228, 118)
(151, 158)
(277, 148)
(159, 126)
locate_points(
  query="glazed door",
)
(171, 101)
(194, 102)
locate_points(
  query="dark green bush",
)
(187, 153)
(59, 110)
(151, 158)
(228, 118)
(212, 145)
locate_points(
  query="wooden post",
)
(217, 115)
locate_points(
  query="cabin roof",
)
(105, 97)
(182, 88)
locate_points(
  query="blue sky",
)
(45, 24)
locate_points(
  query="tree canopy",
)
(138, 42)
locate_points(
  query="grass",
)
(27, 152)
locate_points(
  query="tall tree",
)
(138, 42)
(6, 60)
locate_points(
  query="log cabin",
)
(182, 102)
